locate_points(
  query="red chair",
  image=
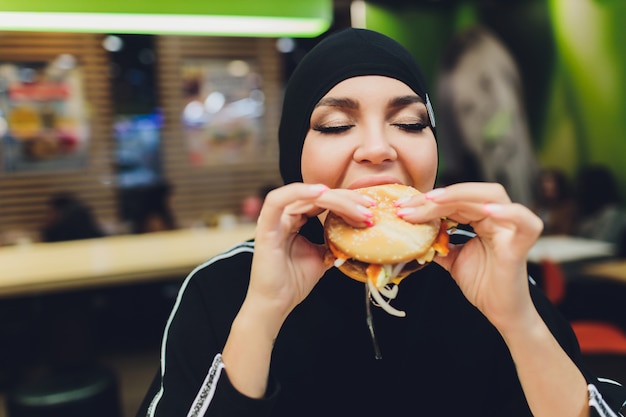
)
(602, 344)
(594, 336)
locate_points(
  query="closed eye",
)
(411, 127)
(332, 129)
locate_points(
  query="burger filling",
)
(382, 279)
(381, 289)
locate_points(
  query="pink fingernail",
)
(404, 211)
(371, 201)
(401, 201)
(318, 188)
(492, 208)
(364, 211)
(432, 194)
(369, 223)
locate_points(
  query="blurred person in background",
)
(554, 202)
(148, 208)
(68, 218)
(482, 122)
(156, 215)
(601, 215)
(251, 205)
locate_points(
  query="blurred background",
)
(128, 129)
(109, 116)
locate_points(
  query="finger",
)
(460, 212)
(477, 192)
(338, 200)
(353, 207)
(291, 205)
(487, 218)
(520, 218)
(327, 255)
(508, 225)
(509, 229)
(279, 199)
(469, 191)
(461, 202)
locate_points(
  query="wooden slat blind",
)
(23, 194)
(196, 190)
(201, 190)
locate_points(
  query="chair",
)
(602, 344)
(90, 391)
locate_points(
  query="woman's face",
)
(370, 130)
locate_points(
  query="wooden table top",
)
(113, 260)
(562, 248)
(614, 269)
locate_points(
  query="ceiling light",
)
(274, 18)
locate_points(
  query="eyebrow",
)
(395, 102)
(403, 101)
(338, 102)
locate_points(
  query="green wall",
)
(573, 52)
(588, 101)
(423, 32)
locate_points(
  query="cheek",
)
(321, 164)
(421, 164)
(307, 160)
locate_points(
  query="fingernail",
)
(371, 201)
(434, 193)
(369, 223)
(492, 208)
(401, 201)
(364, 211)
(404, 211)
(318, 188)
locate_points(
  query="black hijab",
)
(342, 55)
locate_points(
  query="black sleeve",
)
(192, 380)
(227, 401)
(606, 397)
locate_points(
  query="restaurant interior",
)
(156, 123)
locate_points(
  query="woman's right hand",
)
(286, 266)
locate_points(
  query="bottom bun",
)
(356, 270)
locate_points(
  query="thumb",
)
(447, 261)
(327, 256)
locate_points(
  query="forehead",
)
(367, 84)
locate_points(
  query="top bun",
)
(391, 239)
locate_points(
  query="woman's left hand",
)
(491, 268)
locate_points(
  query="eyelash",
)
(329, 130)
(409, 127)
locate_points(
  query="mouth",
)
(373, 180)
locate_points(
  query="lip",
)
(373, 180)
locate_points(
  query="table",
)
(563, 249)
(614, 269)
(125, 259)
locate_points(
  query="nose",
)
(375, 148)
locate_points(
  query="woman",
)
(271, 328)
(485, 134)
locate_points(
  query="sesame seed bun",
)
(391, 240)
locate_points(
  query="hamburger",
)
(390, 250)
